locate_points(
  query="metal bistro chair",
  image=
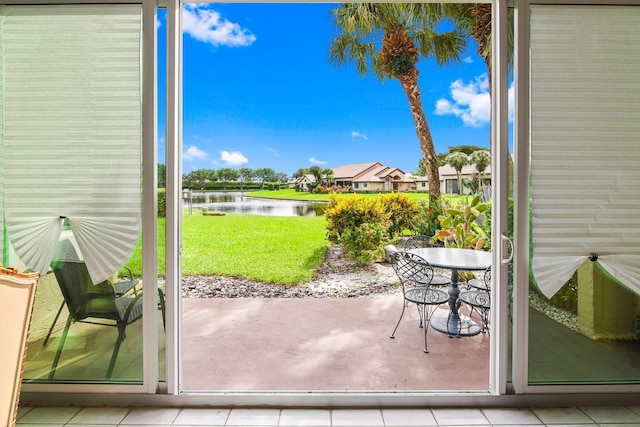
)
(413, 271)
(478, 297)
(441, 277)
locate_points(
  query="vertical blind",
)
(585, 142)
(71, 131)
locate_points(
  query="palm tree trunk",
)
(409, 82)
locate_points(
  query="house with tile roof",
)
(374, 176)
(303, 182)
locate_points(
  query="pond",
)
(235, 202)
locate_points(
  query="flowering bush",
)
(364, 244)
(426, 222)
(348, 212)
(327, 189)
(359, 223)
(400, 210)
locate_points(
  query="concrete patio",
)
(257, 344)
(337, 344)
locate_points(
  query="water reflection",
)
(235, 202)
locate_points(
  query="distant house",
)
(449, 179)
(372, 176)
(303, 182)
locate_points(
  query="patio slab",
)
(329, 344)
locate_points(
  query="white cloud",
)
(194, 153)
(355, 134)
(234, 158)
(316, 161)
(471, 102)
(206, 25)
(467, 59)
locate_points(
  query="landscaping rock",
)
(337, 277)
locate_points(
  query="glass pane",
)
(71, 98)
(587, 332)
(243, 110)
(162, 177)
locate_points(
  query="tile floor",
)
(617, 416)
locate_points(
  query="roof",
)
(352, 170)
(381, 173)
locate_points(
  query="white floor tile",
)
(510, 416)
(357, 417)
(611, 414)
(93, 425)
(408, 417)
(568, 415)
(39, 425)
(253, 417)
(52, 415)
(459, 417)
(22, 410)
(202, 417)
(100, 416)
(635, 408)
(305, 417)
(150, 416)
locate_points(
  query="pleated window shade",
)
(585, 142)
(71, 131)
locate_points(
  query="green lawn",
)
(291, 194)
(284, 250)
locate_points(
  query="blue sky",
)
(260, 91)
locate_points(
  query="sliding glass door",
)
(583, 298)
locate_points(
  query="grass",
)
(291, 194)
(285, 250)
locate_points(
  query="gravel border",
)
(337, 277)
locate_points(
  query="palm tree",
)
(481, 159)
(316, 171)
(458, 160)
(389, 39)
(328, 175)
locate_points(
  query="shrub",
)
(426, 222)
(348, 212)
(358, 223)
(400, 210)
(328, 189)
(364, 244)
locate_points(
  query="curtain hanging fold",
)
(71, 100)
(585, 144)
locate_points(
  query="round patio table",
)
(455, 259)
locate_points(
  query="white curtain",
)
(71, 141)
(585, 142)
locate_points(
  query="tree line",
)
(457, 157)
(199, 178)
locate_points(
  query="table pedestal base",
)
(454, 326)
